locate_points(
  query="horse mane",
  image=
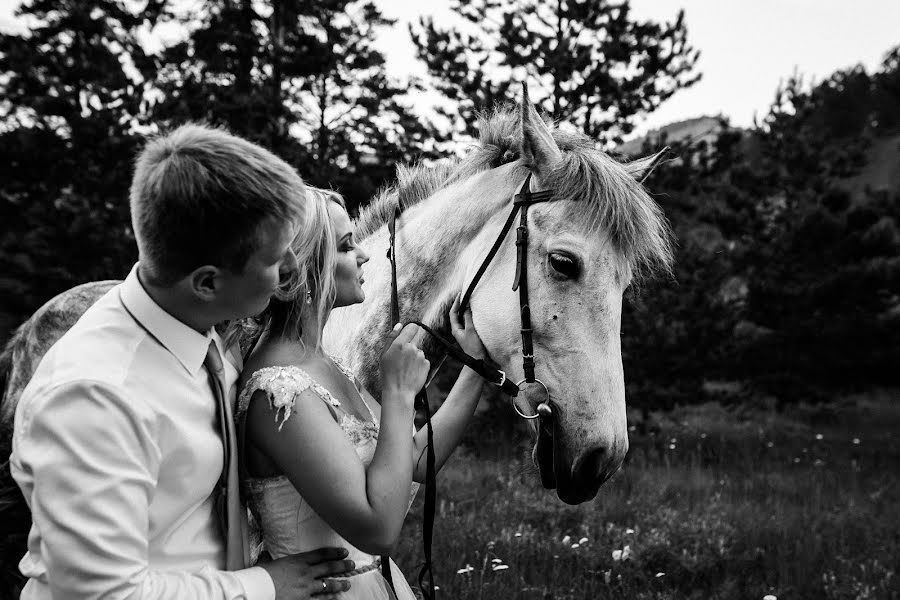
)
(621, 206)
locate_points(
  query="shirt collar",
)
(187, 344)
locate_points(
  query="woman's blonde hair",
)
(311, 286)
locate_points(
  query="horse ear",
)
(539, 149)
(641, 168)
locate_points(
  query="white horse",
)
(600, 231)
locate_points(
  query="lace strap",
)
(281, 384)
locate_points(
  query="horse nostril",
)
(591, 465)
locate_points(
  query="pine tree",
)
(587, 62)
(302, 78)
(72, 88)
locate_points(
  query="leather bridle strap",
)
(521, 202)
(421, 403)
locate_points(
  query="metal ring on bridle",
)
(540, 404)
(324, 587)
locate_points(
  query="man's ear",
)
(204, 282)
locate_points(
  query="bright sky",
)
(747, 46)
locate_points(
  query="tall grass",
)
(712, 504)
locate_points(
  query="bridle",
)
(521, 202)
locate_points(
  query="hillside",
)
(695, 130)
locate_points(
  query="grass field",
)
(717, 503)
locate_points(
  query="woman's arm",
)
(364, 506)
(450, 420)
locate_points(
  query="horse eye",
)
(564, 265)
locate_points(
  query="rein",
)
(521, 202)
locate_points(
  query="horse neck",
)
(437, 241)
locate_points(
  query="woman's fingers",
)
(455, 321)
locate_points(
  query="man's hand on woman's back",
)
(304, 576)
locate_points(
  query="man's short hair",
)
(199, 196)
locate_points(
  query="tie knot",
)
(213, 361)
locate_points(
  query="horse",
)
(600, 232)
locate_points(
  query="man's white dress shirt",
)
(117, 452)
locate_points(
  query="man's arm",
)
(91, 454)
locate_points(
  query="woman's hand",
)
(404, 368)
(463, 330)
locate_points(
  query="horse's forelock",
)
(621, 206)
(615, 203)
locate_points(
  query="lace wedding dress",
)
(288, 524)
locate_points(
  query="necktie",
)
(232, 515)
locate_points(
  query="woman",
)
(326, 464)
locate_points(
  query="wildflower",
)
(671, 446)
(673, 441)
(499, 567)
(607, 576)
(856, 441)
(575, 546)
(702, 436)
(770, 444)
(796, 460)
(567, 540)
(629, 531)
(769, 597)
(467, 569)
(518, 534)
(819, 463)
(622, 554)
(583, 540)
(496, 560)
(660, 574)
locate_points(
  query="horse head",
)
(585, 246)
(599, 231)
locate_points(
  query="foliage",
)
(72, 96)
(588, 62)
(301, 78)
(786, 282)
(712, 503)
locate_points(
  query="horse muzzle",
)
(576, 478)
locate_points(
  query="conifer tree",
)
(587, 62)
(72, 88)
(302, 78)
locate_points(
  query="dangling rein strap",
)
(421, 403)
(522, 201)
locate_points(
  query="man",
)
(124, 444)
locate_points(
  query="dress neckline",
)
(320, 389)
